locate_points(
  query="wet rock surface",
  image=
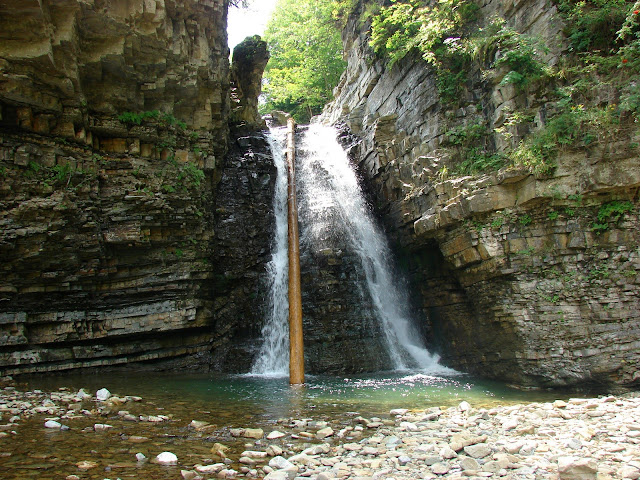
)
(573, 439)
(515, 280)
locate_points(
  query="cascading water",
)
(332, 204)
(330, 186)
(273, 358)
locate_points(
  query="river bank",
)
(98, 435)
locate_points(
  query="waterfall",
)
(273, 358)
(333, 199)
(330, 186)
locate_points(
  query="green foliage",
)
(137, 118)
(192, 174)
(306, 57)
(552, 215)
(132, 118)
(497, 222)
(519, 54)
(473, 158)
(435, 31)
(610, 212)
(62, 172)
(593, 24)
(574, 126)
(525, 220)
(477, 161)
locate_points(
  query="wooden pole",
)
(296, 340)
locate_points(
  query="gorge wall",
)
(116, 243)
(524, 275)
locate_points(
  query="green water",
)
(226, 402)
(268, 399)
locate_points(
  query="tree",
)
(306, 57)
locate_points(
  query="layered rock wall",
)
(518, 281)
(113, 131)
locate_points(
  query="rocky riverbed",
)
(99, 435)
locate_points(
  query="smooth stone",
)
(86, 465)
(510, 423)
(101, 427)
(52, 424)
(447, 452)
(189, 475)
(325, 476)
(399, 411)
(464, 406)
(317, 449)
(256, 433)
(167, 458)
(278, 475)
(440, 468)
(468, 463)
(477, 451)
(433, 459)
(280, 463)
(103, 394)
(275, 435)
(574, 468)
(215, 468)
(302, 459)
(197, 424)
(254, 454)
(403, 460)
(274, 450)
(140, 457)
(324, 433)
(628, 471)
(409, 426)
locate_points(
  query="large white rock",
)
(52, 424)
(280, 463)
(167, 458)
(103, 394)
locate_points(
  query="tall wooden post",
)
(296, 342)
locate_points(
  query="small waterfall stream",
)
(331, 198)
(273, 358)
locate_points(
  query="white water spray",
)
(273, 358)
(331, 191)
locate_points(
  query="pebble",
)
(52, 424)
(103, 394)
(562, 440)
(167, 458)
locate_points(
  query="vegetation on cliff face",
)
(592, 96)
(306, 56)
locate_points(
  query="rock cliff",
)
(113, 136)
(525, 275)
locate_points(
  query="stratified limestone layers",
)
(106, 239)
(515, 280)
(67, 63)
